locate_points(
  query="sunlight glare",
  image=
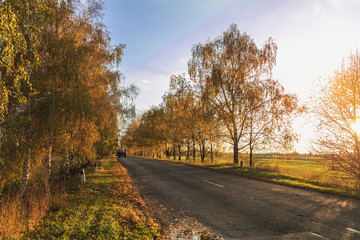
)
(356, 126)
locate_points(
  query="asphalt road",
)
(242, 208)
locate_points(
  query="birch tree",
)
(270, 117)
(224, 69)
(20, 24)
(69, 104)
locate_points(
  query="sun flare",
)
(356, 126)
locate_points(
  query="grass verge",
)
(106, 207)
(271, 176)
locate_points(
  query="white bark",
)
(25, 175)
(82, 176)
(49, 161)
(67, 162)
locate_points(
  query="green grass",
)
(106, 207)
(289, 180)
(311, 168)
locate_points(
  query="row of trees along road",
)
(230, 98)
(60, 97)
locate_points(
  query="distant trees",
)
(337, 106)
(178, 107)
(62, 107)
(230, 99)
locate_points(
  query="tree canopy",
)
(62, 96)
(229, 98)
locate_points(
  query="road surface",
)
(241, 208)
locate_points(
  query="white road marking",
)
(175, 164)
(173, 170)
(353, 230)
(278, 189)
(215, 184)
(317, 235)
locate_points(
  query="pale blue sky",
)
(146, 26)
(313, 37)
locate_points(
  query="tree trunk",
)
(194, 151)
(67, 163)
(71, 158)
(188, 152)
(157, 152)
(48, 162)
(251, 143)
(211, 152)
(174, 153)
(251, 157)
(236, 152)
(25, 175)
(202, 152)
(179, 156)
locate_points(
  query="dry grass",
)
(19, 213)
(106, 207)
(10, 217)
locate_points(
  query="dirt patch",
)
(176, 225)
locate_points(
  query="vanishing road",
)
(242, 208)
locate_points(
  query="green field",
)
(312, 168)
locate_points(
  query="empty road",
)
(241, 208)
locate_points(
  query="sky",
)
(313, 38)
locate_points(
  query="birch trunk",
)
(174, 153)
(25, 175)
(48, 162)
(202, 152)
(236, 151)
(251, 143)
(188, 152)
(67, 163)
(179, 155)
(251, 162)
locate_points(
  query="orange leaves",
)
(228, 95)
(337, 107)
(73, 97)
